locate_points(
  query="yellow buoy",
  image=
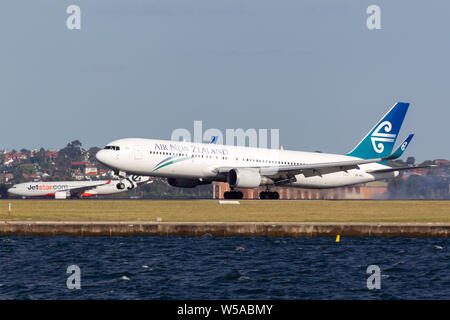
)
(338, 238)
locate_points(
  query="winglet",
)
(109, 181)
(398, 153)
(214, 140)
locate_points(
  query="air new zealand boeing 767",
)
(187, 164)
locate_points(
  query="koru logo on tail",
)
(404, 145)
(378, 138)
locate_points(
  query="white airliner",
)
(188, 164)
(76, 189)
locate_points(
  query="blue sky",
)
(144, 68)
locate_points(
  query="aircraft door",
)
(138, 152)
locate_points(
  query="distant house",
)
(78, 176)
(90, 169)
(419, 172)
(52, 155)
(6, 177)
(78, 165)
(32, 176)
(85, 154)
(91, 175)
(442, 162)
(12, 157)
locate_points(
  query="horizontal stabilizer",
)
(398, 153)
(402, 168)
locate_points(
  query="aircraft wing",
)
(318, 169)
(84, 188)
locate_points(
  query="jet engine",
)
(60, 195)
(246, 178)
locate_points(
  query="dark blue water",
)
(149, 267)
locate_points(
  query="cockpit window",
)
(112, 148)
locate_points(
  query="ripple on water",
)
(213, 268)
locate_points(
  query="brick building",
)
(372, 190)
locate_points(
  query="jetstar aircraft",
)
(188, 164)
(76, 189)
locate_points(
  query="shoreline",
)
(222, 229)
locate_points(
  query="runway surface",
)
(304, 211)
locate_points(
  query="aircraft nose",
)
(12, 190)
(102, 157)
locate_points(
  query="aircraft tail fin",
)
(380, 140)
(398, 153)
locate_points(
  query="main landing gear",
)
(233, 195)
(264, 195)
